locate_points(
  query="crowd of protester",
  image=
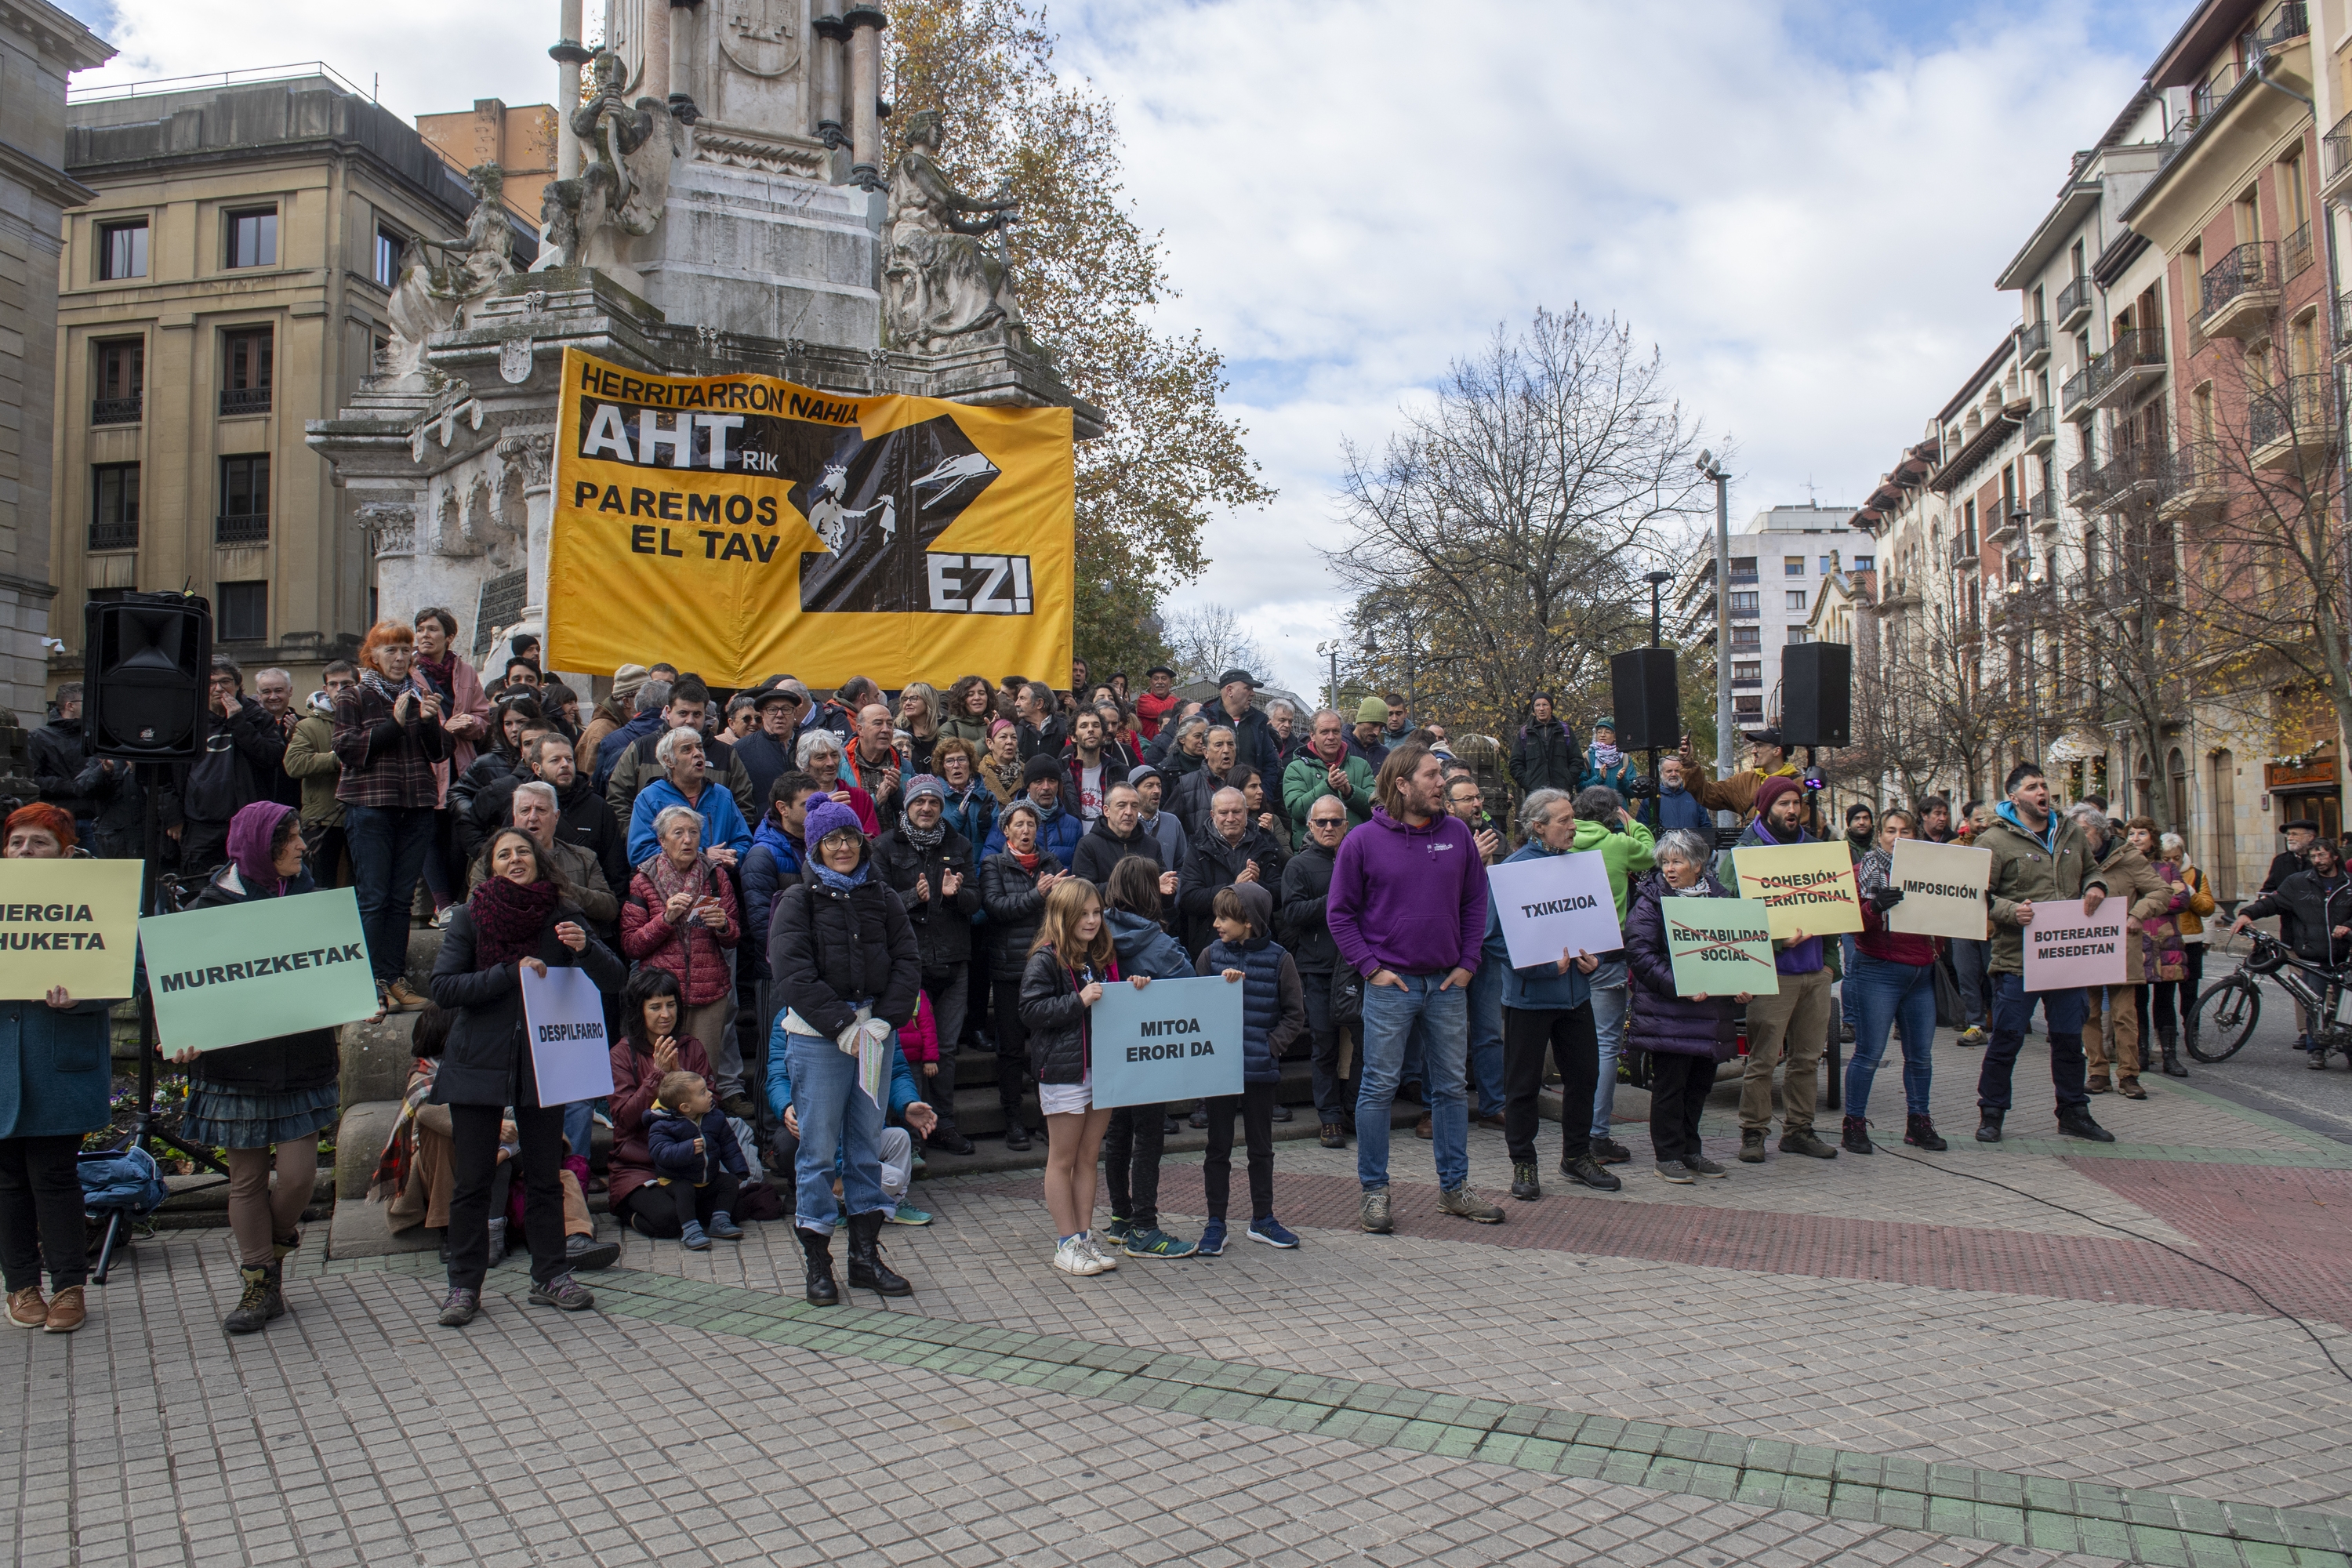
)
(803, 910)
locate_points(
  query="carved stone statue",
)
(588, 222)
(438, 282)
(941, 280)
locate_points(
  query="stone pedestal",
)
(765, 253)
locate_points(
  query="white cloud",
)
(1355, 191)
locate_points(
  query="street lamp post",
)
(1331, 650)
(1723, 743)
(2021, 584)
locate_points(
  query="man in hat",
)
(1797, 1018)
(1058, 828)
(2301, 833)
(1604, 763)
(766, 752)
(1768, 759)
(1255, 744)
(617, 710)
(1157, 701)
(1368, 739)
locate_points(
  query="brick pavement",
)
(701, 1417)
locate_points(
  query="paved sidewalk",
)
(1880, 1360)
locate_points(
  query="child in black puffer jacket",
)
(698, 1164)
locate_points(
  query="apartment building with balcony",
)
(1778, 560)
(229, 282)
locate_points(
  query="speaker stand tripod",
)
(145, 1130)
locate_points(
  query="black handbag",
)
(1346, 997)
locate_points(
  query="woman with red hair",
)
(389, 736)
(55, 1074)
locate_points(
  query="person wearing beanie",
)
(1604, 763)
(1797, 1018)
(1370, 738)
(933, 869)
(1058, 830)
(1150, 786)
(617, 708)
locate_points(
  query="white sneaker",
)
(1073, 1256)
(1109, 1261)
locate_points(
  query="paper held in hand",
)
(1555, 904)
(73, 923)
(1174, 1039)
(1720, 947)
(239, 972)
(2065, 948)
(1806, 887)
(570, 1055)
(1943, 890)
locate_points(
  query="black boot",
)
(1919, 1131)
(1989, 1125)
(1856, 1138)
(260, 1303)
(867, 1269)
(2074, 1121)
(818, 1248)
(2169, 1040)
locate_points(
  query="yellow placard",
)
(739, 526)
(73, 923)
(1805, 887)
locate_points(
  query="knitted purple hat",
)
(828, 816)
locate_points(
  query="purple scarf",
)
(249, 833)
(508, 918)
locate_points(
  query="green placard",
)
(1720, 947)
(254, 970)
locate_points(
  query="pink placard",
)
(2065, 948)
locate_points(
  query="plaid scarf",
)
(391, 1178)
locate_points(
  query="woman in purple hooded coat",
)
(278, 1094)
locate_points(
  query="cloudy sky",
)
(1802, 204)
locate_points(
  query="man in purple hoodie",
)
(1408, 909)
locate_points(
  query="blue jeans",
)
(580, 1125)
(1487, 1036)
(1850, 955)
(1968, 973)
(2063, 1011)
(1885, 995)
(1438, 1021)
(836, 1118)
(388, 846)
(1609, 999)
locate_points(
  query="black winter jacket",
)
(58, 754)
(1211, 864)
(1101, 850)
(240, 765)
(1060, 1036)
(1301, 922)
(942, 925)
(2310, 909)
(830, 951)
(304, 1060)
(481, 798)
(1014, 906)
(1663, 1019)
(487, 1061)
(1546, 758)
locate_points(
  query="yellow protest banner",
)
(739, 526)
(1805, 887)
(73, 923)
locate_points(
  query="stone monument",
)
(720, 205)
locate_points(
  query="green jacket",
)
(2026, 869)
(1625, 853)
(1307, 779)
(310, 757)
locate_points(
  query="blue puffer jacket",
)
(1540, 988)
(1273, 1005)
(1662, 1019)
(1143, 948)
(775, 862)
(671, 1135)
(1058, 835)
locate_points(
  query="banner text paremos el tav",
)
(739, 526)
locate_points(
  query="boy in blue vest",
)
(1274, 1013)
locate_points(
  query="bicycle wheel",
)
(2222, 1019)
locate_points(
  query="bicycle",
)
(2222, 1018)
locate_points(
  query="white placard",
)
(1943, 888)
(1554, 902)
(564, 1017)
(2065, 949)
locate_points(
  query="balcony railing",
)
(2041, 510)
(2178, 136)
(245, 400)
(2082, 483)
(114, 536)
(115, 410)
(2074, 396)
(2130, 475)
(2074, 303)
(2190, 486)
(2295, 415)
(1747, 683)
(2336, 148)
(2295, 255)
(241, 529)
(2040, 428)
(2033, 343)
(2289, 22)
(2134, 360)
(2246, 275)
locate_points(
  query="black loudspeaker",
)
(1816, 694)
(1649, 706)
(147, 662)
